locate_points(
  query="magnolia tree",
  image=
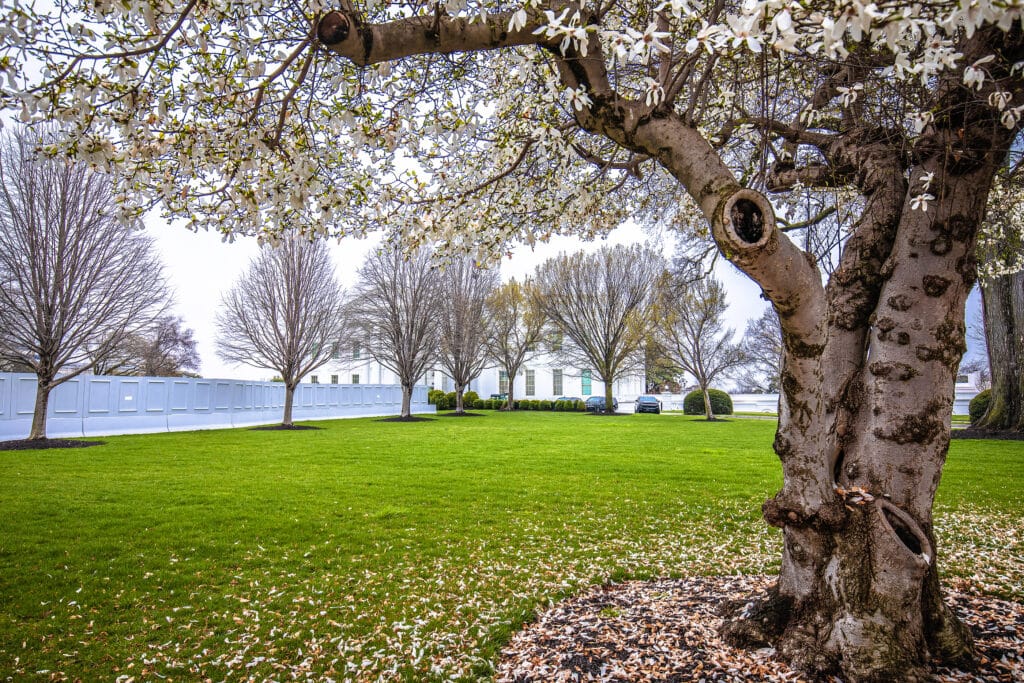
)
(468, 123)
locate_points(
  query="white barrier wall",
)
(98, 405)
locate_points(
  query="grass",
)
(371, 550)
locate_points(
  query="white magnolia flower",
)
(1010, 117)
(974, 76)
(926, 180)
(1000, 99)
(849, 94)
(920, 202)
(579, 98)
(518, 21)
(703, 38)
(745, 31)
(921, 120)
(654, 93)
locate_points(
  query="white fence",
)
(966, 388)
(97, 405)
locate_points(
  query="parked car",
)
(570, 399)
(595, 404)
(647, 404)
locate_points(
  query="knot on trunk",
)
(781, 512)
(744, 221)
(333, 28)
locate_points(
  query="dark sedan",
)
(647, 404)
(595, 404)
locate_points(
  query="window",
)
(502, 382)
(313, 379)
(585, 387)
(531, 382)
(556, 382)
(335, 351)
(334, 379)
(355, 379)
(357, 352)
(556, 345)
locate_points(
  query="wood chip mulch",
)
(667, 630)
(41, 444)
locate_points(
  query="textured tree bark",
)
(406, 400)
(609, 399)
(38, 429)
(511, 392)
(1003, 302)
(289, 401)
(862, 440)
(460, 405)
(708, 412)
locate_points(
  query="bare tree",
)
(167, 349)
(601, 303)
(761, 348)
(691, 325)
(285, 313)
(74, 280)
(396, 312)
(465, 322)
(517, 326)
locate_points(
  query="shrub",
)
(435, 397)
(470, 398)
(535, 404)
(545, 405)
(721, 404)
(979, 405)
(449, 400)
(579, 406)
(559, 406)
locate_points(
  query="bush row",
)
(472, 401)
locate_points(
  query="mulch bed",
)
(284, 428)
(667, 630)
(39, 444)
(411, 418)
(460, 414)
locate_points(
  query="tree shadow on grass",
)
(411, 418)
(40, 444)
(460, 415)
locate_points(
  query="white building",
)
(543, 377)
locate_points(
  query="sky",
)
(200, 267)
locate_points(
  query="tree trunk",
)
(406, 400)
(460, 407)
(609, 400)
(708, 412)
(289, 400)
(868, 379)
(43, 388)
(511, 392)
(1003, 303)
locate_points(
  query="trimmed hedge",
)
(721, 403)
(979, 405)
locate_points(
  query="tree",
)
(692, 330)
(571, 118)
(601, 303)
(285, 313)
(1003, 307)
(761, 351)
(74, 281)
(1001, 252)
(517, 327)
(396, 311)
(465, 323)
(168, 349)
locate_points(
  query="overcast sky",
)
(200, 267)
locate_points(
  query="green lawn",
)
(396, 550)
